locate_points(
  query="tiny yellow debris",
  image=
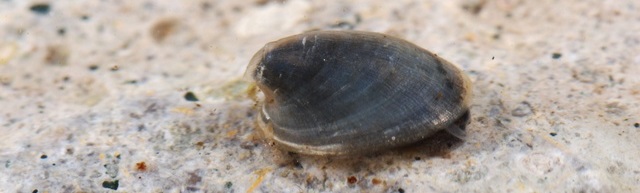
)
(7, 52)
(183, 110)
(261, 173)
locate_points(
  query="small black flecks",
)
(297, 164)
(43, 156)
(110, 184)
(637, 125)
(556, 55)
(35, 191)
(493, 57)
(400, 190)
(85, 17)
(553, 134)
(40, 8)
(93, 67)
(228, 185)
(417, 158)
(189, 96)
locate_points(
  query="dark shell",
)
(344, 92)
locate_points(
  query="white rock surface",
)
(92, 93)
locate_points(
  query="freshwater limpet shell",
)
(352, 92)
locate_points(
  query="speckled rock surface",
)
(148, 96)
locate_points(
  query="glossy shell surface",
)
(350, 92)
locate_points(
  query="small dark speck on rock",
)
(493, 57)
(162, 29)
(553, 134)
(474, 8)
(43, 156)
(141, 166)
(110, 184)
(194, 179)
(400, 190)
(556, 55)
(297, 164)
(200, 145)
(93, 67)
(523, 109)
(352, 180)
(40, 8)
(228, 185)
(205, 6)
(57, 55)
(62, 31)
(189, 96)
(376, 181)
(35, 191)
(417, 158)
(637, 125)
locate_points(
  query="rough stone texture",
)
(92, 96)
